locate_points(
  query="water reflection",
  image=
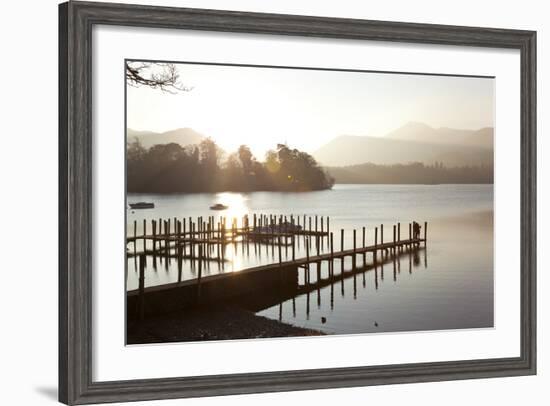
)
(237, 205)
(452, 290)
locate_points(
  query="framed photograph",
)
(259, 202)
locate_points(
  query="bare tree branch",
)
(163, 76)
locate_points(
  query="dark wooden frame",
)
(76, 20)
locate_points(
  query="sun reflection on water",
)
(237, 206)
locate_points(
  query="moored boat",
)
(219, 206)
(142, 205)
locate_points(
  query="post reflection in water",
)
(326, 281)
(302, 291)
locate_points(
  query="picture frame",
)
(76, 352)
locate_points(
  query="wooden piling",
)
(199, 278)
(306, 268)
(410, 236)
(154, 236)
(280, 256)
(142, 286)
(331, 269)
(398, 231)
(375, 244)
(425, 232)
(342, 249)
(354, 248)
(293, 247)
(166, 241)
(364, 245)
(178, 251)
(394, 236)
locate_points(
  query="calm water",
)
(447, 285)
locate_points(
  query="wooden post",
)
(135, 234)
(293, 247)
(178, 251)
(208, 231)
(280, 257)
(317, 244)
(322, 224)
(398, 231)
(354, 247)
(154, 236)
(410, 236)
(375, 243)
(425, 232)
(331, 269)
(381, 233)
(342, 250)
(306, 268)
(316, 223)
(141, 286)
(328, 224)
(166, 241)
(199, 279)
(394, 236)
(364, 245)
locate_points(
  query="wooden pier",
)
(203, 241)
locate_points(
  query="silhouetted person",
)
(416, 230)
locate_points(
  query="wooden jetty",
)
(204, 241)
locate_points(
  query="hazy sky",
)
(261, 107)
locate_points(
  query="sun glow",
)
(237, 206)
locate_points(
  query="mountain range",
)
(413, 142)
(182, 136)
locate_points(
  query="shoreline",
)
(211, 323)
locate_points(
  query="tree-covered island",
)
(171, 168)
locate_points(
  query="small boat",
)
(142, 205)
(219, 206)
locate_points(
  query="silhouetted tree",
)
(170, 168)
(163, 76)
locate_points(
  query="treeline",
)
(412, 173)
(171, 168)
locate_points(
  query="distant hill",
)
(421, 132)
(182, 136)
(414, 142)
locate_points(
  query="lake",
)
(446, 285)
